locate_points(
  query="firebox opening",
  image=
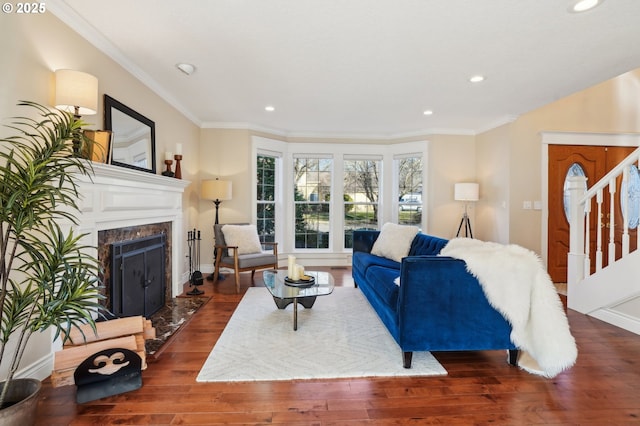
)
(138, 276)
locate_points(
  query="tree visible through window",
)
(312, 186)
(409, 190)
(360, 193)
(266, 197)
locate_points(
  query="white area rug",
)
(341, 336)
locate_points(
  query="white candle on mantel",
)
(178, 149)
(168, 155)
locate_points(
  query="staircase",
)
(608, 289)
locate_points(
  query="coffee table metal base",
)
(306, 301)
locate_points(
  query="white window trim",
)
(388, 211)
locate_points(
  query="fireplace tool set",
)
(195, 276)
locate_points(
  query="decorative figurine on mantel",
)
(168, 161)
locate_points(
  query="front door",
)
(594, 162)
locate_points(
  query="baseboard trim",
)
(41, 369)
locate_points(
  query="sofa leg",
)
(406, 359)
(513, 357)
(355, 284)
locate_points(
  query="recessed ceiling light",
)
(188, 69)
(428, 112)
(269, 108)
(476, 78)
(578, 6)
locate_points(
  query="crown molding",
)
(329, 135)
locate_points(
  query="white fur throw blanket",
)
(518, 286)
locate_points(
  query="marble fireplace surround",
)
(117, 197)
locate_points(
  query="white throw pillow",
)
(394, 241)
(245, 237)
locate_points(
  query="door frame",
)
(571, 138)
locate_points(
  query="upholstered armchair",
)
(238, 247)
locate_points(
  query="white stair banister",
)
(598, 231)
(576, 260)
(612, 221)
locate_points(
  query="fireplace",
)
(119, 204)
(129, 242)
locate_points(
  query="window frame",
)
(388, 200)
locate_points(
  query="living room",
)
(506, 159)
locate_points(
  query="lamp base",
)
(467, 226)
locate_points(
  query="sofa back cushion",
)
(424, 244)
(394, 241)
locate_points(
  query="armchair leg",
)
(406, 359)
(216, 273)
(237, 280)
(513, 357)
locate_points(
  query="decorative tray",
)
(300, 283)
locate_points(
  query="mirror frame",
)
(109, 105)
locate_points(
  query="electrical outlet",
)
(526, 205)
(537, 205)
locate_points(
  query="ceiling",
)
(361, 68)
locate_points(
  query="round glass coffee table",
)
(305, 294)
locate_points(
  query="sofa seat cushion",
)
(362, 261)
(381, 281)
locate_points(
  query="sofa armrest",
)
(440, 302)
(363, 240)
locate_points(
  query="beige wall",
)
(451, 160)
(493, 174)
(33, 47)
(224, 154)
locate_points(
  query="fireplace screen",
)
(138, 276)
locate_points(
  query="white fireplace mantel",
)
(117, 197)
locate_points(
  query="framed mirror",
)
(133, 136)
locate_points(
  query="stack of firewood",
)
(127, 333)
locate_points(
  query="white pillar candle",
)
(296, 273)
(300, 271)
(178, 149)
(291, 266)
(168, 155)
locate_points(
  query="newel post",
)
(576, 258)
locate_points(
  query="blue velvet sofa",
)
(438, 305)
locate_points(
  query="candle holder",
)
(168, 172)
(178, 158)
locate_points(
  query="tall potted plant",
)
(47, 278)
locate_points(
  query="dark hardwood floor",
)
(602, 388)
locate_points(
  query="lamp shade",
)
(76, 89)
(466, 191)
(216, 189)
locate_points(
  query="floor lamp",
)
(217, 191)
(466, 192)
